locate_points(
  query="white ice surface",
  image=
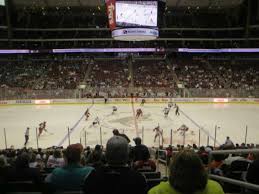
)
(231, 118)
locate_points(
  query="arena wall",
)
(127, 100)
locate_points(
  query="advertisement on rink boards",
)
(23, 102)
(3, 102)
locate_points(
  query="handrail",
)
(111, 39)
(107, 29)
(236, 182)
(237, 151)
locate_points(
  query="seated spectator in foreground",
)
(141, 157)
(117, 133)
(72, 175)
(145, 164)
(55, 160)
(3, 167)
(228, 144)
(96, 158)
(187, 176)
(22, 172)
(252, 175)
(139, 151)
(116, 177)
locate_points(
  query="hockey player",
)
(87, 114)
(177, 110)
(143, 101)
(183, 129)
(158, 133)
(42, 126)
(166, 111)
(170, 104)
(139, 113)
(26, 135)
(114, 109)
(96, 121)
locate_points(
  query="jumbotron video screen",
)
(2, 2)
(136, 13)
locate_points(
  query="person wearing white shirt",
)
(228, 143)
(26, 136)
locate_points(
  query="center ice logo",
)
(129, 120)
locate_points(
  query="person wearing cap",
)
(26, 135)
(116, 177)
(116, 132)
(72, 175)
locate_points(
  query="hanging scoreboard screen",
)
(2, 2)
(136, 13)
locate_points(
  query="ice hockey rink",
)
(231, 120)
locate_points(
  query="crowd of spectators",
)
(153, 74)
(42, 75)
(109, 74)
(215, 75)
(120, 167)
(115, 78)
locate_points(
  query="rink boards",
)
(231, 116)
(128, 100)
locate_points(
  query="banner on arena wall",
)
(110, 6)
(42, 101)
(63, 101)
(98, 100)
(3, 102)
(220, 100)
(182, 99)
(23, 102)
(83, 100)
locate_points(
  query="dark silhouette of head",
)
(73, 153)
(187, 173)
(117, 151)
(116, 132)
(22, 160)
(137, 140)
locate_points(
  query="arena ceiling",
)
(94, 3)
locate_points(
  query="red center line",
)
(134, 115)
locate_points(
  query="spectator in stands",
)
(139, 151)
(228, 144)
(55, 160)
(33, 163)
(146, 164)
(117, 133)
(3, 161)
(116, 177)
(22, 172)
(3, 166)
(96, 158)
(87, 152)
(187, 176)
(169, 153)
(204, 156)
(252, 172)
(71, 176)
